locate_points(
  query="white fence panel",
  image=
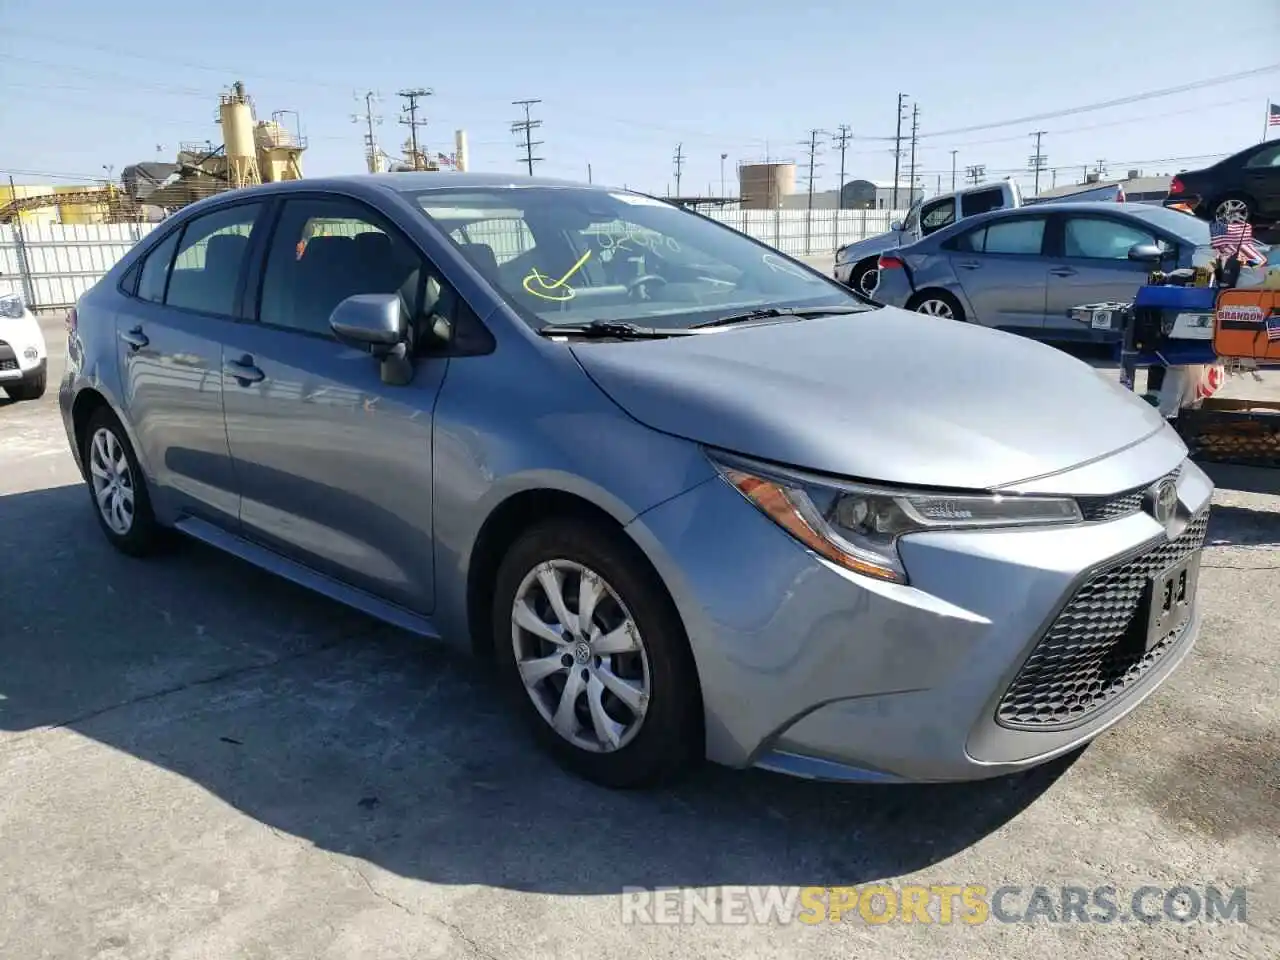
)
(63, 260)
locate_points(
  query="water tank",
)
(763, 185)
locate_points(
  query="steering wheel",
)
(639, 284)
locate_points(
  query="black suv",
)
(1246, 185)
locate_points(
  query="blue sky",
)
(90, 85)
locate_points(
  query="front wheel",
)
(865, 277)
(937, 303)
(597, 656)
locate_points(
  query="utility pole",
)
(812, 146)
(527, 126)
(915, 136)
(1101, 169)
(843, 133)
(412, 122)
(976, 173)
(953, 169)
(1038, 161)
(678, 160)
(372, 155)
(723, 158)
(897, 149)
(589, 180)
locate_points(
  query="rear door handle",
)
(1063, 272)
(969, 265)
(135, 338)
(243, 370)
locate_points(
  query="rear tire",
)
(1233, 207)
(31, 389)
(117, 488)
(937, 303)
(633, 717)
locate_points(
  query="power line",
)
(1117, 102)
(678, 161)
(410, 108)
(843, 135)
(897, 149)
(527, 126)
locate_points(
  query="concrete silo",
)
(235, 113)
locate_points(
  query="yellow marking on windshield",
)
(555, 291)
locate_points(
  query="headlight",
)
(841, 255)
(11, 305)
(858, 526)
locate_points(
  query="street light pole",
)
(723, 158)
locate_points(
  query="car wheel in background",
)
(865, 277)
(937, 303)
(1233, 208)
(596, 655)
(117, 487)
(30, 389)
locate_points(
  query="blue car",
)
(1022, 270)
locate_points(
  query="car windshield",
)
(1183, 224)
(572, 255)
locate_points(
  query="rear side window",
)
(155, 270)
(982, 201)
(1023, 237)
(210, 258)
(1268, 157)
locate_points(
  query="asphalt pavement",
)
(200, 761)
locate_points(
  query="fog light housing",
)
(31, 353)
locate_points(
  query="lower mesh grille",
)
(8, 364)
(1095, 648)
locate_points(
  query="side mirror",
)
(1146, 253)
(376, 322)
(896, 226)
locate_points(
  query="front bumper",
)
(813, 671)
(843, 272)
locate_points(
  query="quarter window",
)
(1095, 238)
(210, 258)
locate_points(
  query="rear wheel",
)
(1233, 208)
(117, 487)
(596, 655)
(937, 303)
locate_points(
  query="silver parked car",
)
(673, 483)
(1023, 270)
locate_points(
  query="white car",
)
(24, 359)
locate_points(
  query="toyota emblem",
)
(1164, 500)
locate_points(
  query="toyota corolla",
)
(692, 498)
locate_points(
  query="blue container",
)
(1201, 299)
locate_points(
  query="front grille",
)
(1117, 505)
(8, 364)
(1094, 650)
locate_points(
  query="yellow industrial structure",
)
(39, 203)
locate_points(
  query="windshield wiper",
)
(771, 313)
(611, 330)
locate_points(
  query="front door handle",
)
(1063, 272)
(135, 338)
(243, 370)
(969, 265)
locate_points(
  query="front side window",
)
(210, 257)
(326, 249)
(1096, 238)
(937, 215)
(574, 255)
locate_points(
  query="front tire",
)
(29, 389)
(865, 277)
(937, 303)
(593, 650)
(117, 488)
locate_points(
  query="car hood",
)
(872, 245)
(886, 395)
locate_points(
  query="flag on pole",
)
(1235, 240)
(1273, 115)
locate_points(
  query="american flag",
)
(1232, 240)
(446, 160)
(1273, 326)
(1273, 115)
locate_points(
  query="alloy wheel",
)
(580, 656)
(868, 282)
(113, 487)
(936, 308)
(1232, 211)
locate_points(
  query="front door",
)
(1262, 180)
(334, 466)
(1094, 267)
(169, 334)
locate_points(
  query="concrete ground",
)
(199, 761)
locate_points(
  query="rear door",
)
(1001, 270)
(334, 466)
(1091, 264)
(1261, 175)
(183, 301)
